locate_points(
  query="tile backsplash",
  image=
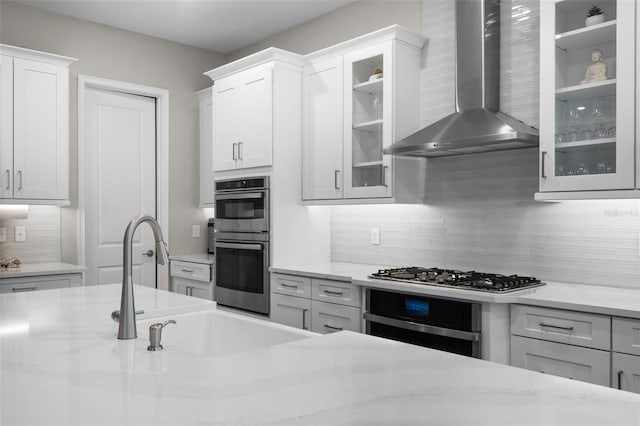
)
(43, 236)
(479, 212)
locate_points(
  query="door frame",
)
(162, 157)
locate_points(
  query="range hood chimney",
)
(477, 125)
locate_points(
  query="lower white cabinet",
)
(42, 282)
(559, 359)
(322, 306)
(191, 279)
(625, 359)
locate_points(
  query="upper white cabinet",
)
(207, 186)
(34, 135)
(359, 97)
(244, 104)
(587, 106)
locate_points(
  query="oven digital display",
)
(416, 307)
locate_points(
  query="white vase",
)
(593, 20)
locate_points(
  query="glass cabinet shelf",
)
(369, 164)
(371, 87)
(588, 36)
(369, 126)
(583, 145)
(589, 90)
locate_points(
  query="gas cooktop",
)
(471, 280)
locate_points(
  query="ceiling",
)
(221, 26)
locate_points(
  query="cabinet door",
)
(226, 119)
(586, 125)
(41, 130)
(206, 150)
(256, 121)
(202, 291)
(291, 311)
(559, 359)
(6, 126)
(625, 372)
(323, 134)
(368, 122)
(329, 317)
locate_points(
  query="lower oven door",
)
(242, 276)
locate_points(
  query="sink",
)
(217, 333)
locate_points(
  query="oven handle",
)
(242, 196)
(423, 328)
(241, 246)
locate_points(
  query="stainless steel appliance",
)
(447, 325)
(210, 236)
(241, 243)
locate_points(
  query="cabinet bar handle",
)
(17, 290)
(233, 149)
(239, 150)
(289, 286)
(8, 179)
(335, 179)
(330, 327)
(304, 319)
(187, 270)
(555, 326)
(542, 173)
(384, 175)
(20, 180)
(620, 372)
(333, 293)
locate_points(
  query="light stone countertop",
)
(204, 258)
(38, 269)
(78, 373)
(586, 298)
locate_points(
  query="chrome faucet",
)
(127, 320)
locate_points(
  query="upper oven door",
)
(242, 211)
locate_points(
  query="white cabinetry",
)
(207, 186)
(350, 113)
(625, 361)
(191, 279)
(322, 306)
(41, 282)
(564, 343)
(34, 135)
(587, 128)
(247, 95)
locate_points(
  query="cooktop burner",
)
(470, 280)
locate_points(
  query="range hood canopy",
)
(477, 125)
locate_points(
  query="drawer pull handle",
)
(333, 293)
(17, 290)
(555, 326)
(190, 271)
(8, 179)
(304, 319)
(289, 286)
(330, 327)
(620, 372)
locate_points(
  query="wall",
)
(480, 212)
(111, 53)
(358, 18)
(43, 236)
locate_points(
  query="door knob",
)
(148, 253)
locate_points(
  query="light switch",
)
(195, 231)
(20, 233)
(3, 234)
(375, 236)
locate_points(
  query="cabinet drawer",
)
(572, 362)
(290, 310)
(330, 317)
(23, 285)
(292, 285)
(556, 325)
(192, 271)
(625, 372)
(340, 292)
(626, 335)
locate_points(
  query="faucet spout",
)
(127, 325)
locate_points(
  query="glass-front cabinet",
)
(587, 106)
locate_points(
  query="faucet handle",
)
(155, 335)
(115, 315)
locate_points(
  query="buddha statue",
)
(597, 71)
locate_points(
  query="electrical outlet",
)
(3, 234)
(195, 231)
(20, 233)
(375, 236)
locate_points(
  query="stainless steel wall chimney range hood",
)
(477, 125)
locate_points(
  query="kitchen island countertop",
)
(78, 373)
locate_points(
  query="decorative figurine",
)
(377, 74)
(594, 16)
(597, 71)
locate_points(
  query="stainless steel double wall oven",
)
(242, 243)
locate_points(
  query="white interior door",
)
(120, 159)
